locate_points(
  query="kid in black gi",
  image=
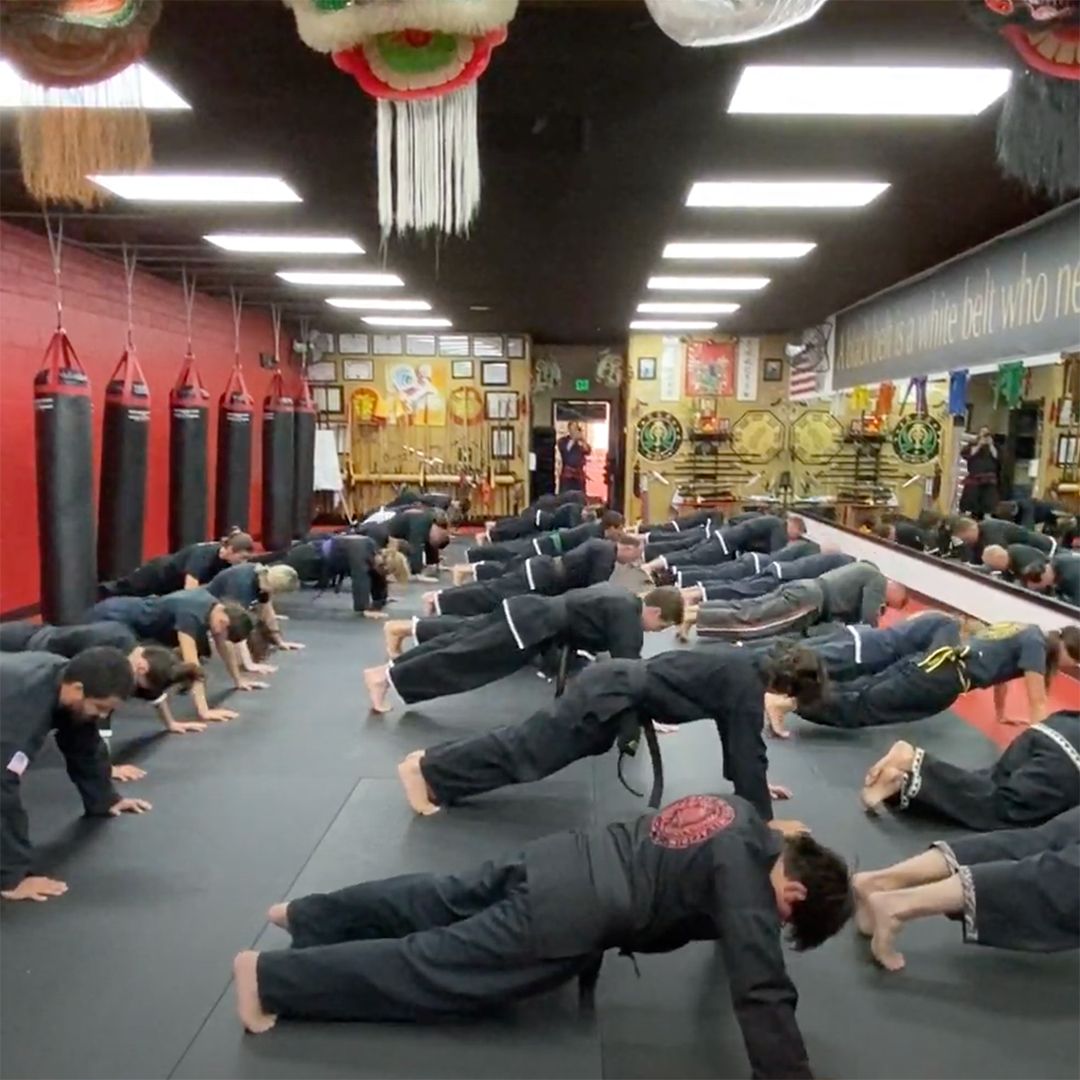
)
(187, 568)
(1035, 779)
(424, 531)
(460, 653)
(422, 947)
(742, 566)
(768, 580)
(607, 526)
(680, 524)
(762, 532)
(1012, 889)
(608, 703)
(534, 520)
(39, 693)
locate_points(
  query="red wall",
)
(95, 317)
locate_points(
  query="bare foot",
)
(395, 633)
(248, 1006)
(863, 886)
(378, 685)
(901, 756)
(885, 926)
(1013, 721)
(428, 602)
(416, 790)
(888, 783)
(777, 706)
(462, 573)
(279, 915)
(683, 632)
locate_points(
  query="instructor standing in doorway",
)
(573, 450)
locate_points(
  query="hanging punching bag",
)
(65, 483)
(189, 417)
(124, 445)
(278, 510)
(304, 461)
(233, 502)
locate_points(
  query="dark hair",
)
(611, 519)
(1006, 511)
(669, 601)
(259, 642)
(1033, 571)
(588, 513)
(798, 522)
(795, 671)
(239, 541)
(164, 670)
(104, 672)
(240, 622)
(929, 519)
(1069, 636)
(829, 902)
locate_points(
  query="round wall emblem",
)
(916, 439)
(659, 436)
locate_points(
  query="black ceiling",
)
(593, 124)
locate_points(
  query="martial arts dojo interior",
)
(811, 257)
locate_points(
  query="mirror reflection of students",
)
(574, 452)
(980, 493)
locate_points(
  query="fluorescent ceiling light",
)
(686, 307)
(403, 320)
(260, 244)
(672, 324)
(751, 194)
(738, 249)
(197, 188)
(363, 303)
(136, 87)
(708, 284)
(868, 91)
(341, 277)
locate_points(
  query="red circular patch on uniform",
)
(691, 820)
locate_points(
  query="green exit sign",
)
(581, 385)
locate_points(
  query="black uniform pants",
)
(669, 543)
(494, 552)
(903, 692)
(480, 597)
(707, 552)
(783, 611)
(978, 500)
(1033, 781)
(351, 556)
(154, 578)
(736, 570)
(418, 947)
(747, 589)
(1020, 885)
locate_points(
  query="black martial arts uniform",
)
(1021, 557)
(918, 687)
(460, 653)
(1020, 885)
(1066, 567)
(761, 533)
(425, 947)
(771, 578)
(412, 526)
(607, 703)
(909, 535)
(535, 520)
(1003, 533)
(408, 497)
(588, 564)
(1035, 779)
(745, 565)
(29, 702)
(680, 524)
(67, 641)
(327, 561)
(850, 594)
(167, 573)
(240, 584)
(162, 618)
(552, 543)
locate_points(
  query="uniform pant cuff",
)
(912, 782)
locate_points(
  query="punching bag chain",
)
(189, 303)
(130, 260)
(275, 319)
(56, 245)
(237, 299)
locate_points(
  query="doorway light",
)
(756, 194)
(364, 278)
(867, 91)
(273, 244)
(680, 283)
(738, 249)
(404, 320)
(673, 324)
(197, 188)
(686, 307)
(136, 87)
(364, 303)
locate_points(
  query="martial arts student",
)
(769, 579)
(857, 593)
(533, 520)
(606, 527)
(903, 532)
(456, 654)
(762, 532)
(550, 575)
(607, 704)
(187, 568)
(425, 531)
(679, 523)
(742, 566)
(1017, 562)
(919, 687)
(187, 620)
(1035, 779)
(253, 586)
(1061, 577)
(1012, 889)
(425, 948)
(970, 537)
(41, 693)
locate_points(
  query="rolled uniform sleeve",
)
(15, 850)
(626, 636)
(87, 760)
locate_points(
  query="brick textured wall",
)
(95, 317)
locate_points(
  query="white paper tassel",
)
(429, 163)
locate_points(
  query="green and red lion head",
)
(406, 49)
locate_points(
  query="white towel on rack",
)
(327, 467)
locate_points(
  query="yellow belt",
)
(947, 654)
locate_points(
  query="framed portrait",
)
(494, 373)
(322, 371)
(329, 400)
(502, 443)
(515, 347)
(772, 371)
(487, 345)
(461, 369)
(646, 368)
(355, 344)
(501, 405)
(359, 370)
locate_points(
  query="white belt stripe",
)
(723, 543)
(438, 606)
(1055, 736)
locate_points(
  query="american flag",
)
(804, 382)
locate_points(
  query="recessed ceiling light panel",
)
(687, 283)
(738, 249)
(358, 278)
(197, 188)
(283, 244)
(797, 90)
(404, 320)
(774, 194)
(686, 307)
(673, 324)
(364, 303)
(136, 87)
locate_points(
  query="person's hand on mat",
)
(252, 684)
(788, 827)
(129, 806)
(261, 669)
(193, 727)
(778, 791)
(291, 646)
(123, 773)
(1014, 721)
(370, 614)
(35, 888)
(220, 716)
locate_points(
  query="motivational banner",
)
(1015, 297)
(748, 360)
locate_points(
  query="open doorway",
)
(595, 420)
